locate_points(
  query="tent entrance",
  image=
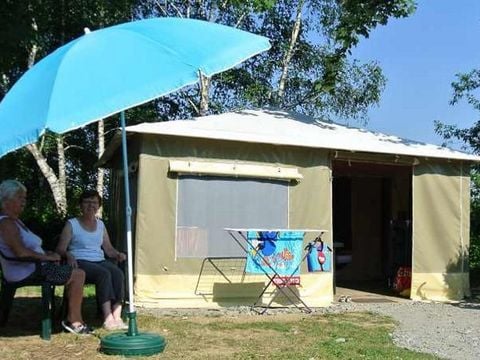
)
(372, 212)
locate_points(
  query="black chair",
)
(7, 294)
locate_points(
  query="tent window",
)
(208, 204)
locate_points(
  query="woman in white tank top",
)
(83, 243)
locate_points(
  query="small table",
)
(282, 282)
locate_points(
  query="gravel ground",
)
(450, 331)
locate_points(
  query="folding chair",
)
(7, 294)
(278, 254)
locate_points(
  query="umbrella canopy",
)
(113, 69)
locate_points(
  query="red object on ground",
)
(403, 279)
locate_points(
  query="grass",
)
(292, 336)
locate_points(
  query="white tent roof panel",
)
(286, 128)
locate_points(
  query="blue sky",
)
(420, 56)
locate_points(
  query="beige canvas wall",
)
(163, 279)
(441, 213)
(440, 222)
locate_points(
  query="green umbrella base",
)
(132, 345)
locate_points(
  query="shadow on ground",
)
(26, 315)
(379, 287)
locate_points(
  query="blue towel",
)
(283, 253)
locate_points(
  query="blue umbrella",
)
(110, 70)
(116, 68)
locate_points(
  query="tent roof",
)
(287, 128)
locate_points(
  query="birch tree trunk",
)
(100, 171)
(288, 55)
(58, 189)
(204, 86)
(62, 175)
(58, 185)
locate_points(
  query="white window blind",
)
(207, 205)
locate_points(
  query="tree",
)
(308, 68)
(466, 87)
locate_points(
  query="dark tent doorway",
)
(372, 213)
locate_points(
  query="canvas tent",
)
(386, 202)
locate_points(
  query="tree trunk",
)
(62, 175)
(58, 191)
(58, 185)
(100, 171)
(288, 55)
(33, 51)
(204, 86)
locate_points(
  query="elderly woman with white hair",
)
(16, 240)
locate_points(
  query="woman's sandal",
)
(81, 329)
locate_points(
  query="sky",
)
(420, 56)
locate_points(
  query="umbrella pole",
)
(132, 342)
(132, 319)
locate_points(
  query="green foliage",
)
(345, 22)
(322, 81)
(358, 17)
(242, 5)
(49, 24)
(466, 87)
(474, 258)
